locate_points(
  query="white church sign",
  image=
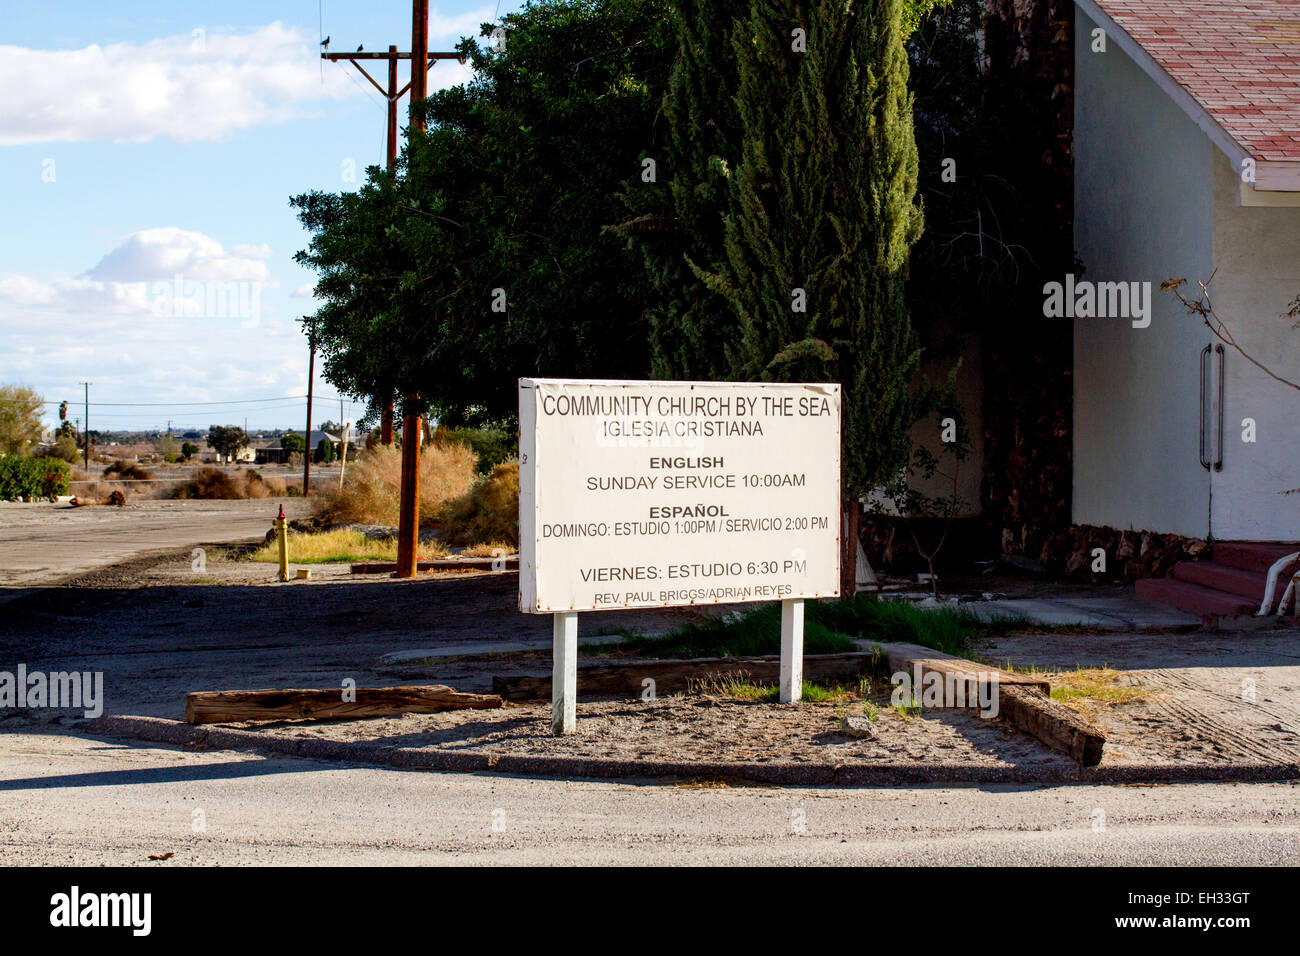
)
(660, 494)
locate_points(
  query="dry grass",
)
(340, 545)
(372, 488)
(1093, 685)
(488, 512)
(491, 549)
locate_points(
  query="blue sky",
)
(147, 155)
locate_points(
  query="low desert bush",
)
(372, 488)
(126, 471)
(208, 484)
(488, 512)
(256, 486)
(218, 484)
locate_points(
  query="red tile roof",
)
(1240, 59)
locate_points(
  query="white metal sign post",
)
(663, 494)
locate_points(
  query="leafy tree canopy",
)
(488, 258)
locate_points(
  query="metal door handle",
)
(1205, 354)
(1218, 462)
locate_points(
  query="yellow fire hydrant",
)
(282, 535)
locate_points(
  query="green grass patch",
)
(740, 687)
(752, 634)
(947, 629)
(830, 627)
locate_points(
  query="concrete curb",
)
(161, 730)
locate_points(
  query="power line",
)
(232, 401)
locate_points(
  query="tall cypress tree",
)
(677, 222)
(823, 212)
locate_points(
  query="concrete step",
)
(1223, 577)
(1194, 598)
(1252, 555)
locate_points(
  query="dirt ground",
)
(697, 729)
(43, 543)
(158, 629)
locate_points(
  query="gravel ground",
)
(696, 729)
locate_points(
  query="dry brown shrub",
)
(209, 484)
(127, 471)
(373, 483)
(216, 484)
(488, 513)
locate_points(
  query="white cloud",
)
(164, 272)
(187, 88)
(305, 291)
(199, 86)
(24, 290)
(158, 254)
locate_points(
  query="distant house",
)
(246, 454)
(272, 453)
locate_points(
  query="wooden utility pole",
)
(86, 431)
(343, 458)
(306, 438)
(408, 525)
(392, 94)
(408, 522)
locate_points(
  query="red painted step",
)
(1252, 555)
(1223, 577)
(1194, 598)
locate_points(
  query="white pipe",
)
(1280, 566)
(1289, 596)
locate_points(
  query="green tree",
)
(166, 447)
(227, 440)
(488, 257)
(20, 419)
(693, 328)
(293, 443)
(324, 451)
(821, 214)
(64, 448)
(189, 450)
